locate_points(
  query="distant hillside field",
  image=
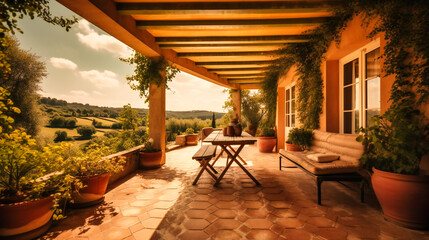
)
(108, 115)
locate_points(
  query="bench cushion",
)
(205, 152)
(334, 167)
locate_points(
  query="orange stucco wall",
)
(353, 38)
(280, 117)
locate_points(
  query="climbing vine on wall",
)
(405, 25)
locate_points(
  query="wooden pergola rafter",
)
(229, 43)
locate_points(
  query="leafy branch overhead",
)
(149, 71)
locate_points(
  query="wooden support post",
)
(157, 117)
(236, 101)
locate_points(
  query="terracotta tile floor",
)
(163, 204)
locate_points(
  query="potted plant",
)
(150, 157)
(299, 139)
(394, 147)
(93, 172)
(32, 187)
(252, 110)
(191, 138)
(267, 140)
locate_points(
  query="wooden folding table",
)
(226, 143)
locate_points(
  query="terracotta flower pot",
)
(192, 139)
(252, 129)
(403, 198)
(266, 144)
(151, 160)
(94, 191)
(25, 220)
(293, 147)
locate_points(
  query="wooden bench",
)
(204, 155)
(346, 168)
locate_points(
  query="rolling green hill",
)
(53, 106)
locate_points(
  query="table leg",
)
(234, 159)
(229, 163)
(204, 167)
(232, 149)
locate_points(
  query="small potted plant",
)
(299, 139)
(93, 172)
(150, 157)
(267, 140)
(191, 137)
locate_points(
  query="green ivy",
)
(149, 71)
(308, 57)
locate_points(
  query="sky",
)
(83, 66)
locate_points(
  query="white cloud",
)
(89, 37)
(105, 79)
(62, 63)
(97, 93)
(79, 93)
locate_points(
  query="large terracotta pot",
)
(93, 192)
(192, 139)
(293, 147)
(266, 144)
(403, 198)
(25, 220)
(151, 160)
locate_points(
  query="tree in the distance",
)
(213, 121)
(129, 118)
(23, 83)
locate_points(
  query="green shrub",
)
(60, 136)
(189, 131)
(86, 131)
(301, 137)
(117, 125)
(267, 132)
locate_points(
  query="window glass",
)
(372, 64)
(348, 98)
(348, 73)
(369, 114)
(347, 122)
(373, 93)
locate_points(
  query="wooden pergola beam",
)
(224, 54)
(233, 63)
(221, 8)
(230, 24)
(232, 40)
(237, 69)
(231, 76)
(243, 81)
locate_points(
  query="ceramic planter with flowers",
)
(32, 186)
(93, 172)
(150, 157)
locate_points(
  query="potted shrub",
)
(93, 172)
(191, 138)
(267, 140)
(32, 186)
(150, 157)
(394, 147)
(299, 139)
(252, 110)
